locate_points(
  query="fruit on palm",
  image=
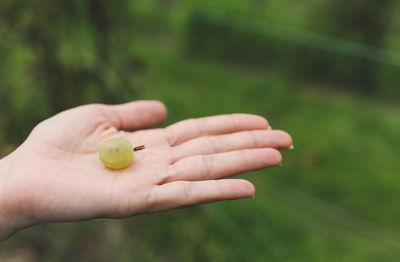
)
(117, 153)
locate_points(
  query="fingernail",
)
(291, 147)
(269, 127)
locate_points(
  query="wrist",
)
(8, 215)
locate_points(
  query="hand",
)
(56, 175)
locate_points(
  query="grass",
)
(334, 198)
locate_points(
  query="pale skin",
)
(56, 175)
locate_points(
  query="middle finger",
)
(229, 142)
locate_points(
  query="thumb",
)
(139, 114)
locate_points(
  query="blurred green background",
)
(326, 71)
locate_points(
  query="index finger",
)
(213, 125)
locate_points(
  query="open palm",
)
(56, 175)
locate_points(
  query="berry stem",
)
(137, 148)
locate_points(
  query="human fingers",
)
(138, 114)
(180, 194)
(214, 125)
(216, 166)
(228, 142)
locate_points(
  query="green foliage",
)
(334, 199)
(350, 55)
(63, 54)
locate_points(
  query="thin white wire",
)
(305, 37)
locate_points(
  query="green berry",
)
(116, 153)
